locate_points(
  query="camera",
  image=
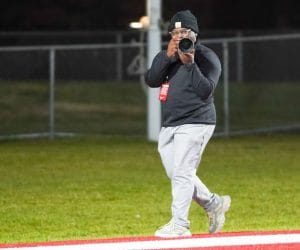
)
(186, 45)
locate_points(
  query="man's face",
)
(179, 33)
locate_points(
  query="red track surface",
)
(279, 240)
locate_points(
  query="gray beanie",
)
(184, 19)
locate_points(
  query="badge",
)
(164, 89)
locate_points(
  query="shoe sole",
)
(161, 235)
(225, 207)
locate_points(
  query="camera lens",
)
(186, 45)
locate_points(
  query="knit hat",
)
(184, 19)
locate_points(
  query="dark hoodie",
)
(190, 95)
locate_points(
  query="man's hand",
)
(186, 58)
(172, 50)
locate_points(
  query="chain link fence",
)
(97, 89)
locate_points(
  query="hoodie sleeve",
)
(157, 73)
(205, 73)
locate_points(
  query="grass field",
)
(107, 186)
(120, 107)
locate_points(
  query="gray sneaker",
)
(216, 217)
(172, 230)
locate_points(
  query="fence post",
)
(239, 58)
(51, 92)
(119, 57)
(226, 88)
(154, 46)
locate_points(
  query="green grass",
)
(120, 107)
(80, 107)
(259, 104)
(109, 186)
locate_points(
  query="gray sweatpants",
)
(181, 148)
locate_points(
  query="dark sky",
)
(87, 15)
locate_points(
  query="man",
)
(187, 81)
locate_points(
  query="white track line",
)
(176, 243)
